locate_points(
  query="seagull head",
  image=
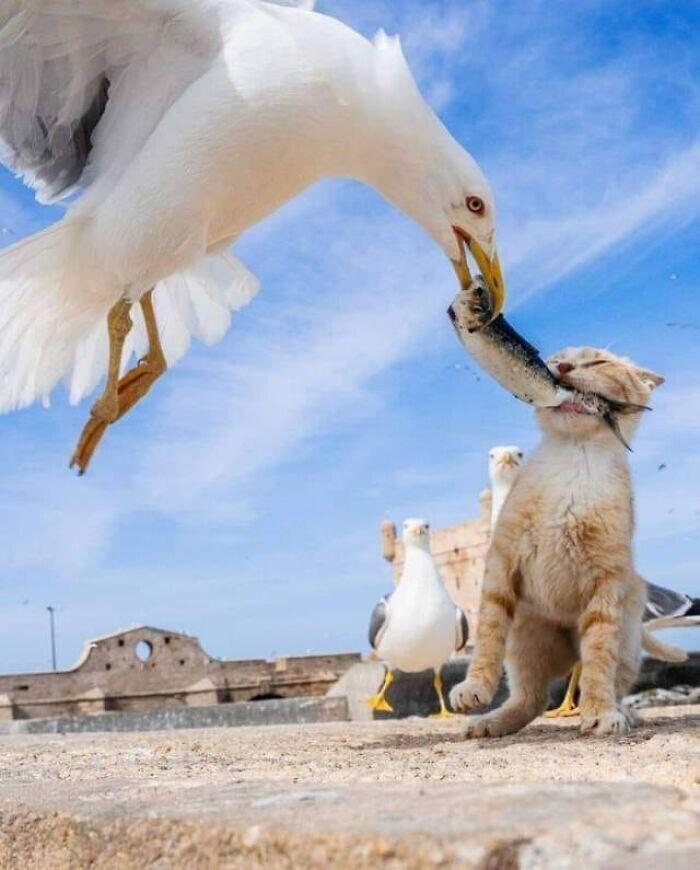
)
(416, 533)
(504, 464)
(473, 223)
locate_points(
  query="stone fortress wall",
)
(148, 668)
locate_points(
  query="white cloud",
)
(545, 250)
(284, 387)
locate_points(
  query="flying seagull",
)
(417, 626)
(173, 126)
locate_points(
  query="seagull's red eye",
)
(475, 204)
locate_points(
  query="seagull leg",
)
(120, 395)
(567, 706)
(378, 701)
(106, 408)
(444, 712)
(139, 380)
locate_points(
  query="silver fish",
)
(516, 364)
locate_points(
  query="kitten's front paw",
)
(488, 725)
(612, 722)
(470, 695)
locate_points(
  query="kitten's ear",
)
(650, 378)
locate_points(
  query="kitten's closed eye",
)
(594, 362)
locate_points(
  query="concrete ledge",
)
(276, 712)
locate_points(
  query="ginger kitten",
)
(560, 580)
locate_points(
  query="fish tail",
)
(626, 407)
(615, 429)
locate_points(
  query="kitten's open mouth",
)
(572, 406)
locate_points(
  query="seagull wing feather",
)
(377, 622)
(665, 603)
(83, 83)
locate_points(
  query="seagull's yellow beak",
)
(507, 461)
(490, 268)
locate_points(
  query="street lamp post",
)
(53, 637)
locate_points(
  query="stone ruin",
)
(146, 668)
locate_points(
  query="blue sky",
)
(241, 501)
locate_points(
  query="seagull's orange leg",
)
(122, 393)
(106, 408)
(437, 684)
(139, 380)
(568, 706)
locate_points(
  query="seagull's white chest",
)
(421, 621)
(243, 139)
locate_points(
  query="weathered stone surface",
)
(357, 684)
(91, 703)
(7, 711)
(203, 693)
(407, 794)
(274, 712)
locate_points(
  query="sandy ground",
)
(394, 794)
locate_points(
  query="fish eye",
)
(475, 204)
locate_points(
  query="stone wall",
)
(148, 668)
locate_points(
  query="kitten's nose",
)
(564, 368)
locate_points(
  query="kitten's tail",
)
(662, 651)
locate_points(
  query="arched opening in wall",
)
(266, 696)
(143, 650)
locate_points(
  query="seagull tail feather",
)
(46, 306)
(53, 313)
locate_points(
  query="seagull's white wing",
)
(84, 82)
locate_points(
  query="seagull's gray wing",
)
(377, 621)
(83, 83)
(667, 608)
(462, 633)
(662, 602)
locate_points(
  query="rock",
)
(664, 697)
(409, 694)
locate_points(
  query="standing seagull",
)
(176, 125)
(417, 626)
(504, 466)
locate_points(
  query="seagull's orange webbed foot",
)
(568, 706)
(87, 443)
(132, 387)
(378, 701)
